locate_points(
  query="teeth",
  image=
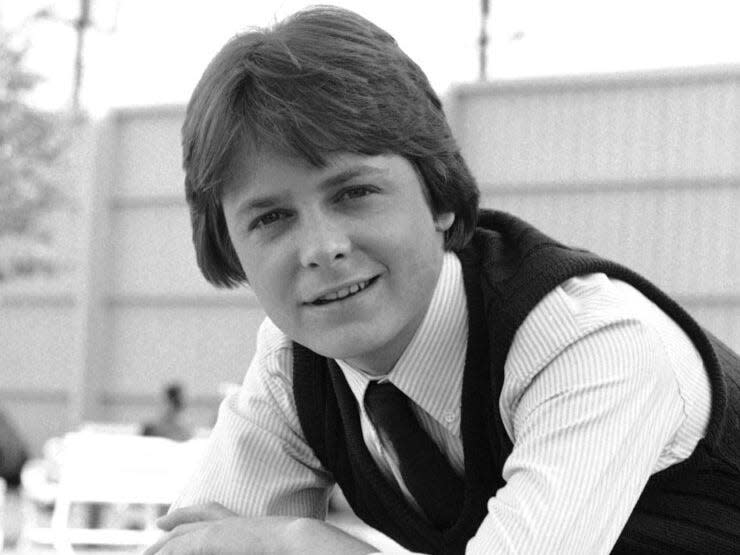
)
(343, 293)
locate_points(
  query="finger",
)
(194, 513)
(169, 538)
(176, 546)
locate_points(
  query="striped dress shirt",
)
(601, 390)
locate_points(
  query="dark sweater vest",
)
(509, 266)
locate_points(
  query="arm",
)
(214, 529)
(590, 417)
(259, 485)
(257, 462)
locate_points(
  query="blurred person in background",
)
(471, 384)
(170, 423)
(13, 452)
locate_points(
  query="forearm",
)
(212, 528)
(310, 536)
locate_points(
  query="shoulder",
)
(265, 399)
(571, 311)
(274, 349)
(271, 341)
(271, 369)
(605, 324)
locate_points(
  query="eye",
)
(267, 219)
(351, 193)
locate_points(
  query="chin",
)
(338, 347)
(343, 343)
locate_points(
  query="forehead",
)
(249, 166)
(268, 171)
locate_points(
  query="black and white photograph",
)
(369, 277)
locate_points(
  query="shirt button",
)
(450, 416)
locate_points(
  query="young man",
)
(472, 385)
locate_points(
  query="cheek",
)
(270, 277)
(274, 300)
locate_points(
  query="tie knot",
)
(386, 404)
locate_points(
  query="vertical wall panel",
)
(199, 344)
(35, 340)
(152, 251)
(594, 129)
(149, 160)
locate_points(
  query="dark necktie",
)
(428, 475)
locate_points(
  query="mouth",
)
(344, 293)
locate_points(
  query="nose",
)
(323, 243)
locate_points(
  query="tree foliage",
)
(31, 144)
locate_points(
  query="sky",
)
(152, 52)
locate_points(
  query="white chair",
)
(104, 468)
(110, 427)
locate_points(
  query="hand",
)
(214, 529)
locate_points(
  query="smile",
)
(344, 292)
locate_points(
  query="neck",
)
(381, 361)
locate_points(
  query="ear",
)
(443, 221)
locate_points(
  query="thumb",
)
(194, 513)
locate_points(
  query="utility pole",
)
(483, 41)
(81, 25)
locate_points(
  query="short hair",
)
(322, 81)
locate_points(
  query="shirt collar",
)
(430, 370)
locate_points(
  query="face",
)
(344, 259)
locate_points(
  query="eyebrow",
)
(330, 182)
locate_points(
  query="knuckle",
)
(213, 506)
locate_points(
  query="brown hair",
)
(325, 80)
